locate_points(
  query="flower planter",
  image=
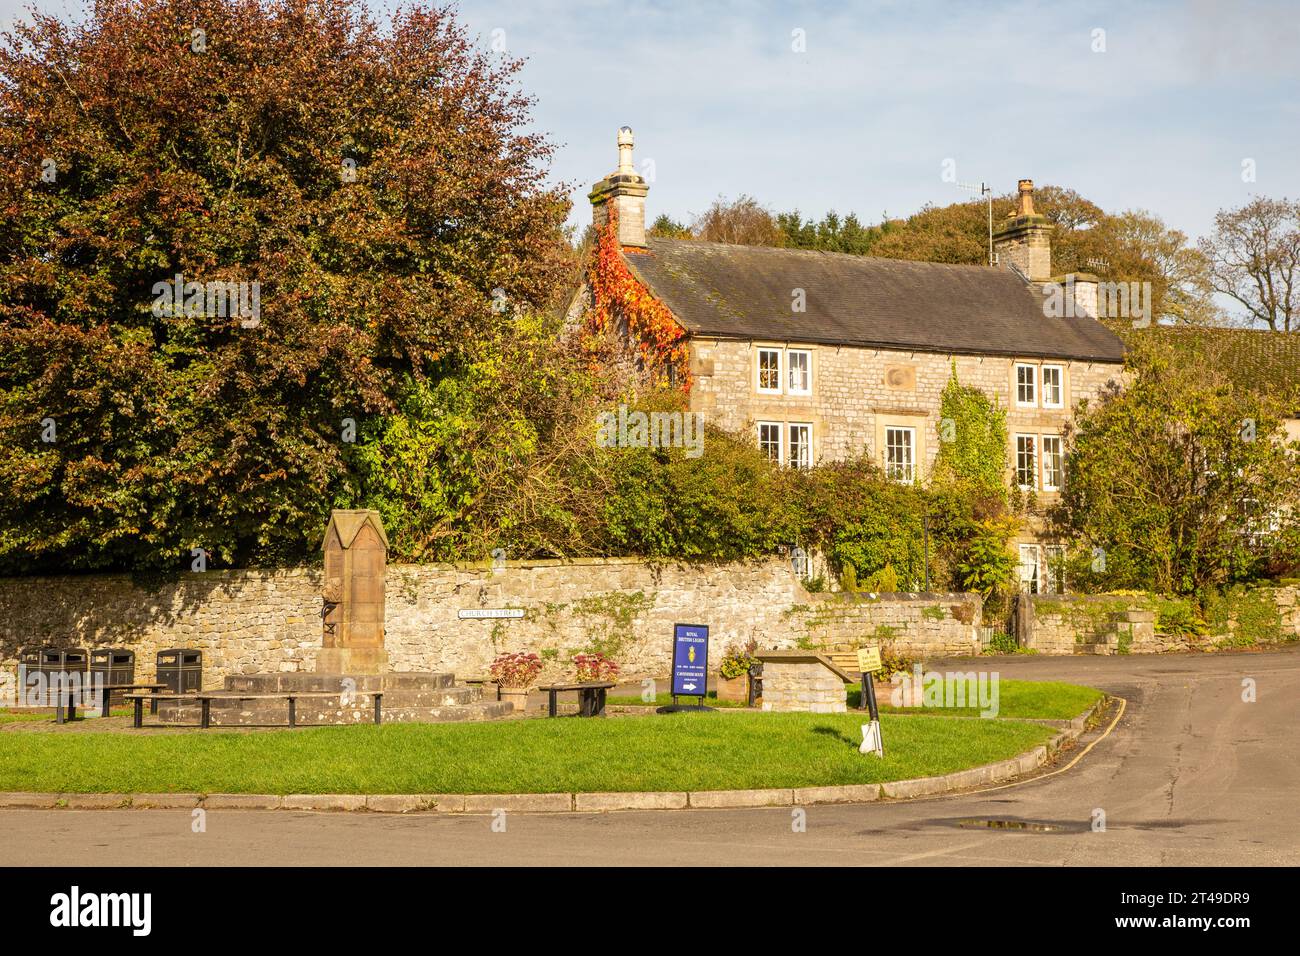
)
(734, 689)
(517, 696)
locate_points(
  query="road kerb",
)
(653, 800)
(1004, 770)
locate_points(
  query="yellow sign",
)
(869, 659)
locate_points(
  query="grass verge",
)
(670, 752)
(1017, 699)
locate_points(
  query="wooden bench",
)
(65, 699)
(205, 704)
(846, 661)
(591, 697)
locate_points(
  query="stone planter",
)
(518, 696)
(734, 689)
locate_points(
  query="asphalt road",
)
(1191, 775)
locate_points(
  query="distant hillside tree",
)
(741, 221)
(1254, 257)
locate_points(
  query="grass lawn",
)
(15, 716)
(1042, 700)
(668, 752)
(710, 700)
(1024, 699)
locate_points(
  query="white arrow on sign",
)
(688, 687)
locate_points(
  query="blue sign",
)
(690, 659)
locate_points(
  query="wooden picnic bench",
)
(65, 700)
(591, 697)
(205, 703)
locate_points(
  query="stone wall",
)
(808, 686)
(1090, 624)
(269, 621)
(1146, 624)
(920, 625)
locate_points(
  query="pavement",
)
(1191, 775)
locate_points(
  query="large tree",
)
(378, 186)
(1254, 256)
(1181, 482)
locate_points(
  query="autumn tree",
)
(1182, 481)
(665, 227)
(741, 221)
(374, 193)
(1254, 256)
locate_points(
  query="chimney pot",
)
(1025, 207)
(625, 143)
(622, 192)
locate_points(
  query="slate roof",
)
(731, 291)
(1254, 359)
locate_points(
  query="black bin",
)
(113, 665)
(181, 670)
(61, 667)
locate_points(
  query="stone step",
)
(1094, 650)
(313, 682)
(329, 711)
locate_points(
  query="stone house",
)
(826, 356)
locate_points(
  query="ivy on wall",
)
(659, 340)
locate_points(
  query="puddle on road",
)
(1023, 825)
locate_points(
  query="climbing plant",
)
(618, 296)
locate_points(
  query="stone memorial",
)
(351, 665)
(802, 681)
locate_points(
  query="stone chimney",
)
(624, 192)
(1024, 238)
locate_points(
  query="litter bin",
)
(181, 670)
(58, 667)
(113, 665)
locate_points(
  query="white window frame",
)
(1053, 569)
(1060, 461)
(806, 459)
(758, 370)
(1060, 386)
(1033, 385)
(910, 465)
(1033, 443)
(1030, 573)
(789, 371)
(780, 440)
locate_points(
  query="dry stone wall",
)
(249, 622)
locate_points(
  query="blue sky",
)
(885, 92)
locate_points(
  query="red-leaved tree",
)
(340, 207)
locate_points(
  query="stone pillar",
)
(356, 556)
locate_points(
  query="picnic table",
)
(205, 703)
(591, 697)
(69, 709)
